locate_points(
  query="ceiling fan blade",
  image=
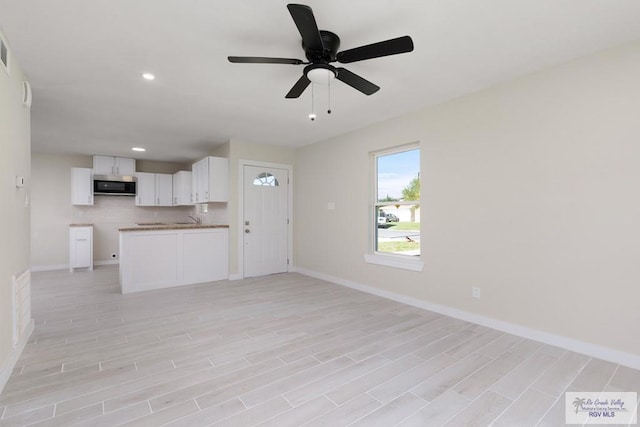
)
(376, 50)
(263, 60)
(305, 21)
(356, 82)
(299, 87)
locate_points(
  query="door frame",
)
(289, 168)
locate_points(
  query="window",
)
(396, 210)
(4, 55)
(266, 179)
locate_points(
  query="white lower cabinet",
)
(80, 247)
(154, 259)
(204, 256)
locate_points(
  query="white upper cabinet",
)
(164, 189)
(210, 180)
(81, 186)
(107, 165)
(182, 188)
(125, 166)
(197, 186)
(154, 189)
(145, 189)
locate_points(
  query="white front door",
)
(265, 224)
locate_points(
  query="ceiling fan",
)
(321, 48)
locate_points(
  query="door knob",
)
(246, 230)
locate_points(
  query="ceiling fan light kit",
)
(320, 73)
(321, 48)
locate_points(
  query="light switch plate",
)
(331, 206)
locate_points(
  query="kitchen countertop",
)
(80, 225)
(160, 226)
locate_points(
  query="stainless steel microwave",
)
(114, 185)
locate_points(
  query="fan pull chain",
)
(329, 93)
(312, 116)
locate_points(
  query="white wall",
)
(15, 146)
(529, 191)
(52, 211)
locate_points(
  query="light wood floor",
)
(284, 350)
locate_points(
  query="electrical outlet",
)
(475, 292)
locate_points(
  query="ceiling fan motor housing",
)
(330, 44)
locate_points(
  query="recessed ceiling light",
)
(139, 149)
(148, 76)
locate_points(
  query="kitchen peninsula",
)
(165, 255)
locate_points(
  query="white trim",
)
(49, 267)
(7, 67)
(235, 277)
(107, 262)
(289, 168)
(372, 258)
(10, 364)
(400, 261)
(66, 266)
(593, 350)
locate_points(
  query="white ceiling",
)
(84, 60)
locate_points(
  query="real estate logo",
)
(601, 408)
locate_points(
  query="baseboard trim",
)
(235, 277)
(107, 262)
(10, 364)
(66, 266)
(49, 267)
(593, 350)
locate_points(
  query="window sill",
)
(396, 261)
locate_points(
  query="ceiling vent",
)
(4, 54)
(26, 94)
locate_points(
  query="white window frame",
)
(6, 67)
(406, 262)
